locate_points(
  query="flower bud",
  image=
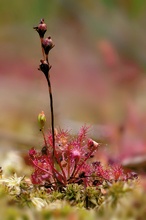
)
(41, 119)
(44, 67)
(47, 44)
(44, 150)
(32, 153)
(41, 28)
(92, 144)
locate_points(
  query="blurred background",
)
(98, 72)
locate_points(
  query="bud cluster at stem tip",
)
(46, 43)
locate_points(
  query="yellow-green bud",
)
(41, 119)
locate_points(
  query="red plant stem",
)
(59, 175)
(63, 177)
(72, 175)
(61, 168)
(42, 130)
(46, 171)
(68, 167)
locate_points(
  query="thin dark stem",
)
(52, 125)
(52, 114)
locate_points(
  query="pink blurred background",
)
(98, 72)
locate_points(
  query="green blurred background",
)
(98, 71)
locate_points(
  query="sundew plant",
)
(65, 169)
(65, 159)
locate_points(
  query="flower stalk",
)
(45, 67)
